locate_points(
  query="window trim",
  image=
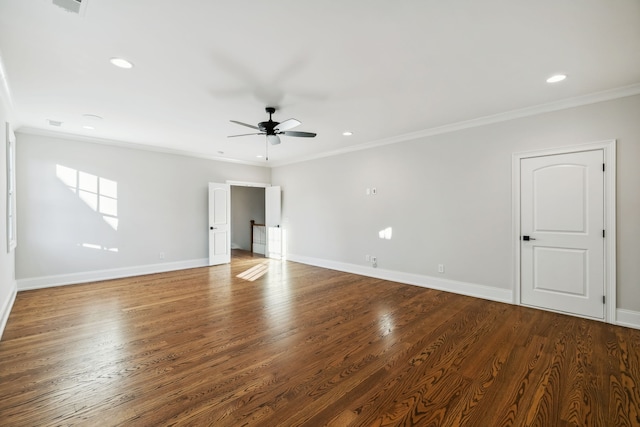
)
(11, 187)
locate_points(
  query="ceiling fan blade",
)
(287, 124)
(245, 124)
(299, 134)
(273, 139)
(246, 134)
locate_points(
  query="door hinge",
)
(603, 234)
(603, 299)
(603, 167)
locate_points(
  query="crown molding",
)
(131, 145)
(592, 98)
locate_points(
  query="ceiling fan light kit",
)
(272, 129)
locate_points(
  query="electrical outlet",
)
(440, 268)
(367, 191)
(374, 259)
(367, 258)
(161, 255)
(374, 191)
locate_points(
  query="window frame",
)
(11, 188)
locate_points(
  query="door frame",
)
(265, 186)
(609, 150)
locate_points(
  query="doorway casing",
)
(272, 217)
(609, 150)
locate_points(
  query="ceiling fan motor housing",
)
(268, 127)
(271, 130)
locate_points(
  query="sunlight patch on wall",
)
(386, 234)
(98, 247)
(100, 194)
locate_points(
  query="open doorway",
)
(247, 204)
(230, 226)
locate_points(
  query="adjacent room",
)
(344, 214)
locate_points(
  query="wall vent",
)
(73, 6)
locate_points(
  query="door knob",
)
(527, 238)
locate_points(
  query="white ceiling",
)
(378, 68)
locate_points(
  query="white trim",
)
(11, 225)
(463, 288)
(6, 308)
(130, 145)
(611, 233)
(564, 104)
(628, 318)
(609, 149)
(114, 273)
(515, 226)
(248, 184)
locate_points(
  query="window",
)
(11, 189)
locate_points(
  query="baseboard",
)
(115, 273)
(463, 288)
(628, 318)
(6, 308)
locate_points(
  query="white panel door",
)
(562, 223)
(272, 204)
(219, 223)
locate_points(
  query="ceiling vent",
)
(73, 6)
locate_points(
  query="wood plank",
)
(302, 345)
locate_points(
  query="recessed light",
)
(259, 156)
(121, 63)
(556, 78)
(55, 123)
(88, 127)
(220, 152)
(347, 133)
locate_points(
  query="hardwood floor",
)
(300, 345)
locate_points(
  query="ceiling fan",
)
(273, 129)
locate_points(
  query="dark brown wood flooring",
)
(290, 344)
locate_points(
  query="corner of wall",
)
(7, 305)
(8, 284)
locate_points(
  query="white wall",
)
(448, 198)
(161, 207)
(7, 259)
(247, 203)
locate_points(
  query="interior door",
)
(272, 205)
(219, 223)
(562, 237)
